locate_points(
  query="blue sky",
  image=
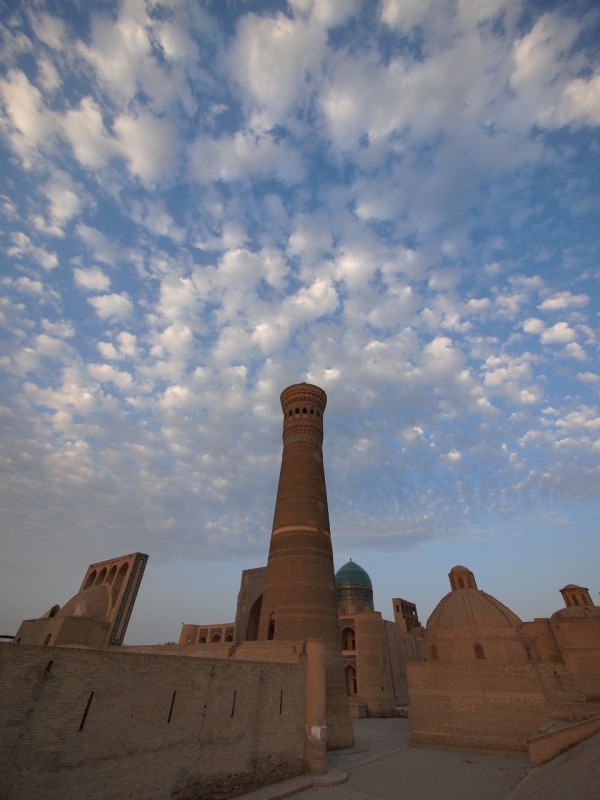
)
(204, 202)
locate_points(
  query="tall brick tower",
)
(299, 600)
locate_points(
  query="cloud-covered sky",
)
(204, 202)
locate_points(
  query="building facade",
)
(491, 681)
(375, 651)
(98, 615)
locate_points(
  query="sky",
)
(205, 202)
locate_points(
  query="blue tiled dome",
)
(352, 575)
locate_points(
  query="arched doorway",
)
(351, 685)
(253, 620)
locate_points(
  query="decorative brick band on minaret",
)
(299, 600)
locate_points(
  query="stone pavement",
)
(383, 766)
(573, 775)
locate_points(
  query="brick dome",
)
(90, 603)
(471, 608)
(351, 574)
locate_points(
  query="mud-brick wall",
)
(91, 725)
(478, 707)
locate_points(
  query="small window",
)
(271, 631)
(304, 411)
(479, 651)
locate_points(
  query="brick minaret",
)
(299, 600)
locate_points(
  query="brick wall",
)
(90, 725)
(545, 747)
(475, 707)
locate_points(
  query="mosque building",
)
(490, 681)
(375, 651)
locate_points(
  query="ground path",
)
(383, 766)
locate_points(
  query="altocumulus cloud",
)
(203, 203)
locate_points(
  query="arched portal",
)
(253, 620)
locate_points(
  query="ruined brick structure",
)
(98, 615)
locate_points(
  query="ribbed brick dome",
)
(351, 574)
(471, 608)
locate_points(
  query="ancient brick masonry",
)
(299, 600)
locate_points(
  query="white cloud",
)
(104, 373)
(101, 246)
(441, 361)
(62, 328)
(85, 131)
(32, 125)
(48, 76)
(548, 92)
(273, 58)
(560, 333)
(562, 300)
(127, 343)
(92, 279)
(107, 350)
(50, 30)
(311, 302)
(23, 246)
(327, 13)
(153, 215)
(49, 345)
(112, 306)
(585, 418)
(589, 377)
(25, 284)
(65, 200)
(406, 14)
(512, 377)
(533, 325)
(242, 156)
(121, 53)
(176, 397)
(150, 146)
(575, 350)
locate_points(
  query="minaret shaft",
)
(299, 600)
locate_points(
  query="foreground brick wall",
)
(90, 725)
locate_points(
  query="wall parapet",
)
(547, 746)
(109, 725)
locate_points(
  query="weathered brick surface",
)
(478, 707)
(156, 726)
(299, 600)
(547, 746)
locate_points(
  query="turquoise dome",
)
(352, 575)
